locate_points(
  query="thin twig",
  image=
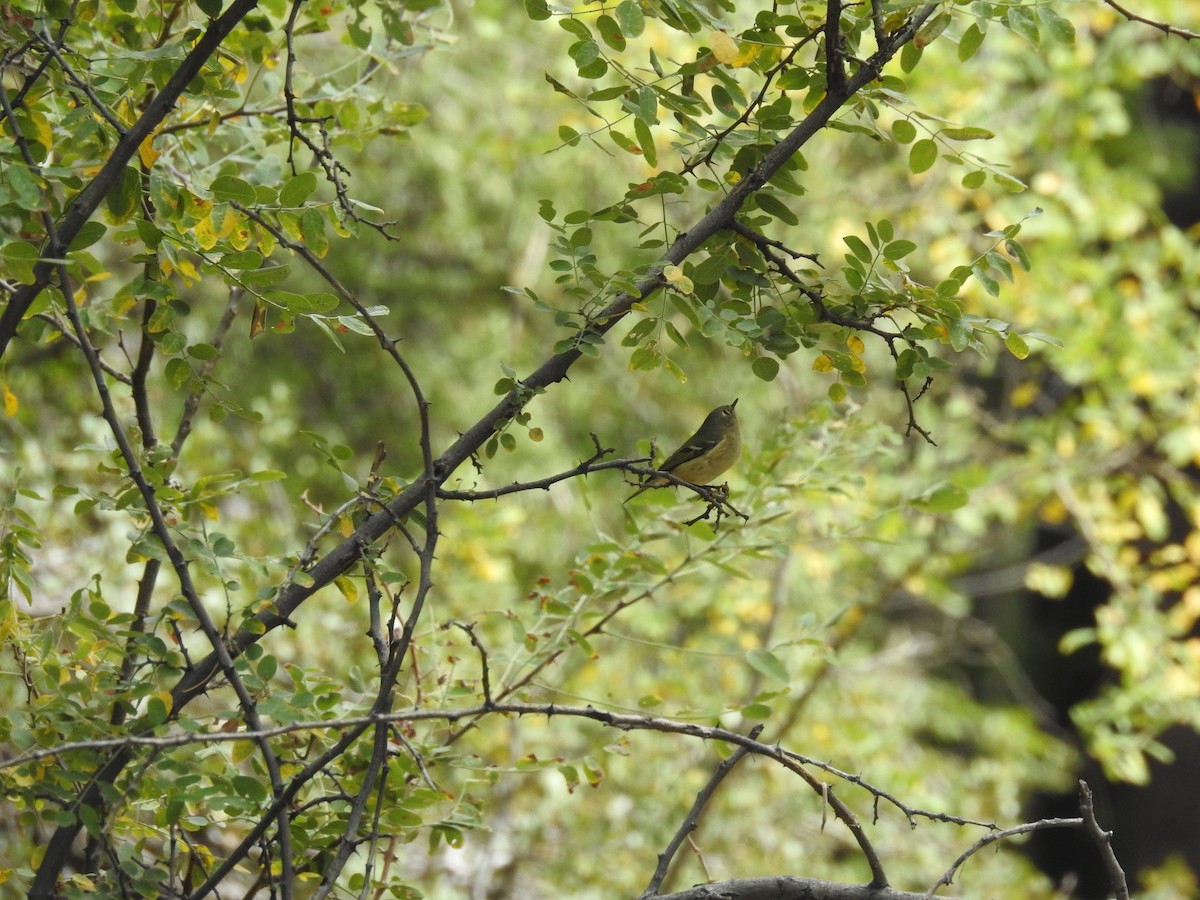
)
(692, 819)
(1103, 841)
(998, 835)
(1154, 23)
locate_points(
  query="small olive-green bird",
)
(714, 447)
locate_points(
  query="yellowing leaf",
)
(228, 223)
(10, 402)
(147, 153)
(236, 227)
(724, 48)
(822, 364)
(206, 235)
(41, 124)
(675, 277)
(746, 55)
(855, 343)
(348, 588)
(242, 751)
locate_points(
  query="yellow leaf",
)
(206, 235)
(45, 134)
(348, 588)
(239, 236)
(855, 343)
(147, 152)
(187, 271)
(746, 55)
(165, 697)
(10, 402)
(242, 751)
(822, 364)
(724, 48)
(228, 223)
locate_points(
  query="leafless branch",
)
(692, 820)
(786, 887)
(1164, 27)
(1103, 841)
(998, 835)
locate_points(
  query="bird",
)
(714, 447)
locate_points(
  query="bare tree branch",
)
(692, 820)
(1164, 27)
(1103, 841)
(786, 887)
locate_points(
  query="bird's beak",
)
(734, 403)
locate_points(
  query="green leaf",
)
(1060, 29)
(122, 200)
(765, 367)
(942, 498)
(24, 185)
(922, 156)
(967, 133)
(1017, 251)
(898, 249)
(970, 42)
(756, 711)
(243, 259)
(1016, 345)
(177, 372)
(1022, 22)
(90, 233)
(973, 180)
(229, 187)
(645, 141)
(931, 30)
(1008, 182)
(610, 32)
(297, 190)
(767, 663)
(858, 247)
(723, 101)
(19, 258)
(904, 131)
(630, 18)
(537, 9)
(773, 206)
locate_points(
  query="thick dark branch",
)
(89, 199)
(835, 62)
(786, 887)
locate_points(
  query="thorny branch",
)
(692, 821)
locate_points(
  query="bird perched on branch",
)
(714, 447)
